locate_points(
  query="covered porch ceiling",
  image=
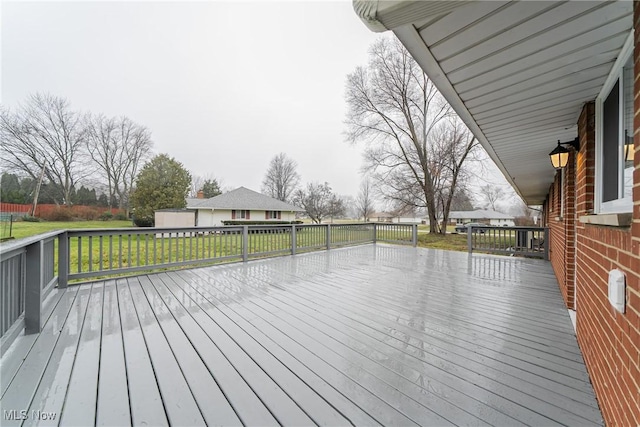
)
(517, 72)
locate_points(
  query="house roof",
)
(516, 72)
(242, 198)
(478, 214)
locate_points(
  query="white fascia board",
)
(411, 39)
(383, 15)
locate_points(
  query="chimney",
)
(200, 194)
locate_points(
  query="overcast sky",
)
(223, 86)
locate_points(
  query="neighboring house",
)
(406, 220)
(485, 216)
(394, 218)
(381, 217)
(398, 216)
(524, 76)
(240, 204)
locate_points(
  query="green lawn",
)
(149, 249)
(25, 229)
(452, 242)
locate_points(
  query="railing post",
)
(245, 243)
(33, 288)
(294, 242)
(414, 235)
(328, 236)
(470, 239)
(546, 243)
(63, 260)
(375, 233)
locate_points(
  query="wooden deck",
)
(367, 335)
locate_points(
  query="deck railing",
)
(522, 241)
(27, 275)
(28, 267)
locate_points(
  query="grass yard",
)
(23, 229)
(141, 249)
(451, 242)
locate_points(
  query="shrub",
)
(121, 216)
(85, 212)
(144, 221)
(28, 218)
(58, 214)
(106, 216)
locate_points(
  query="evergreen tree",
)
(161, 184)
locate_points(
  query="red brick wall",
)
(562, 229)
(610, 341)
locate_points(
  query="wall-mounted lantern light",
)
(629, 149)
(560, 155)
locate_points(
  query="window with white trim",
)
(614, 126)
(272, 214)
(241, 214)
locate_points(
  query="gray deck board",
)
(212, 403)
(441, 335)
(279, 404)
(19, 349)
(180, 405)
(306, 398)
(426, 359)
(145, 401)
(412, 371)
(60, 364)
(246, 404)
(113, 395)
(82, 392)
(376, 334)
(19, 394)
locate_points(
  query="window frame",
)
(272, 215)
(621, 204)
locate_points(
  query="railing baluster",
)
(245, 243)
(110, 252)
(100, 258)
(80, 254)
(119, 250)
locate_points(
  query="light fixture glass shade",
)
(629, 149)
(559, 156)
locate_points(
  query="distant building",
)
(485, 216)
(240, 205)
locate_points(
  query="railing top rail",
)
(21, 243)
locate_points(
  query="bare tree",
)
(364, 201)
(453, 144)
(45, 134)
(102, 147)
(492, 194)
(119, 147)
(337, 207)
(209, 185)
(411, 152)
(281, 179)
(138, 150)
(318, 201)
(197, 181)
(462, 200)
